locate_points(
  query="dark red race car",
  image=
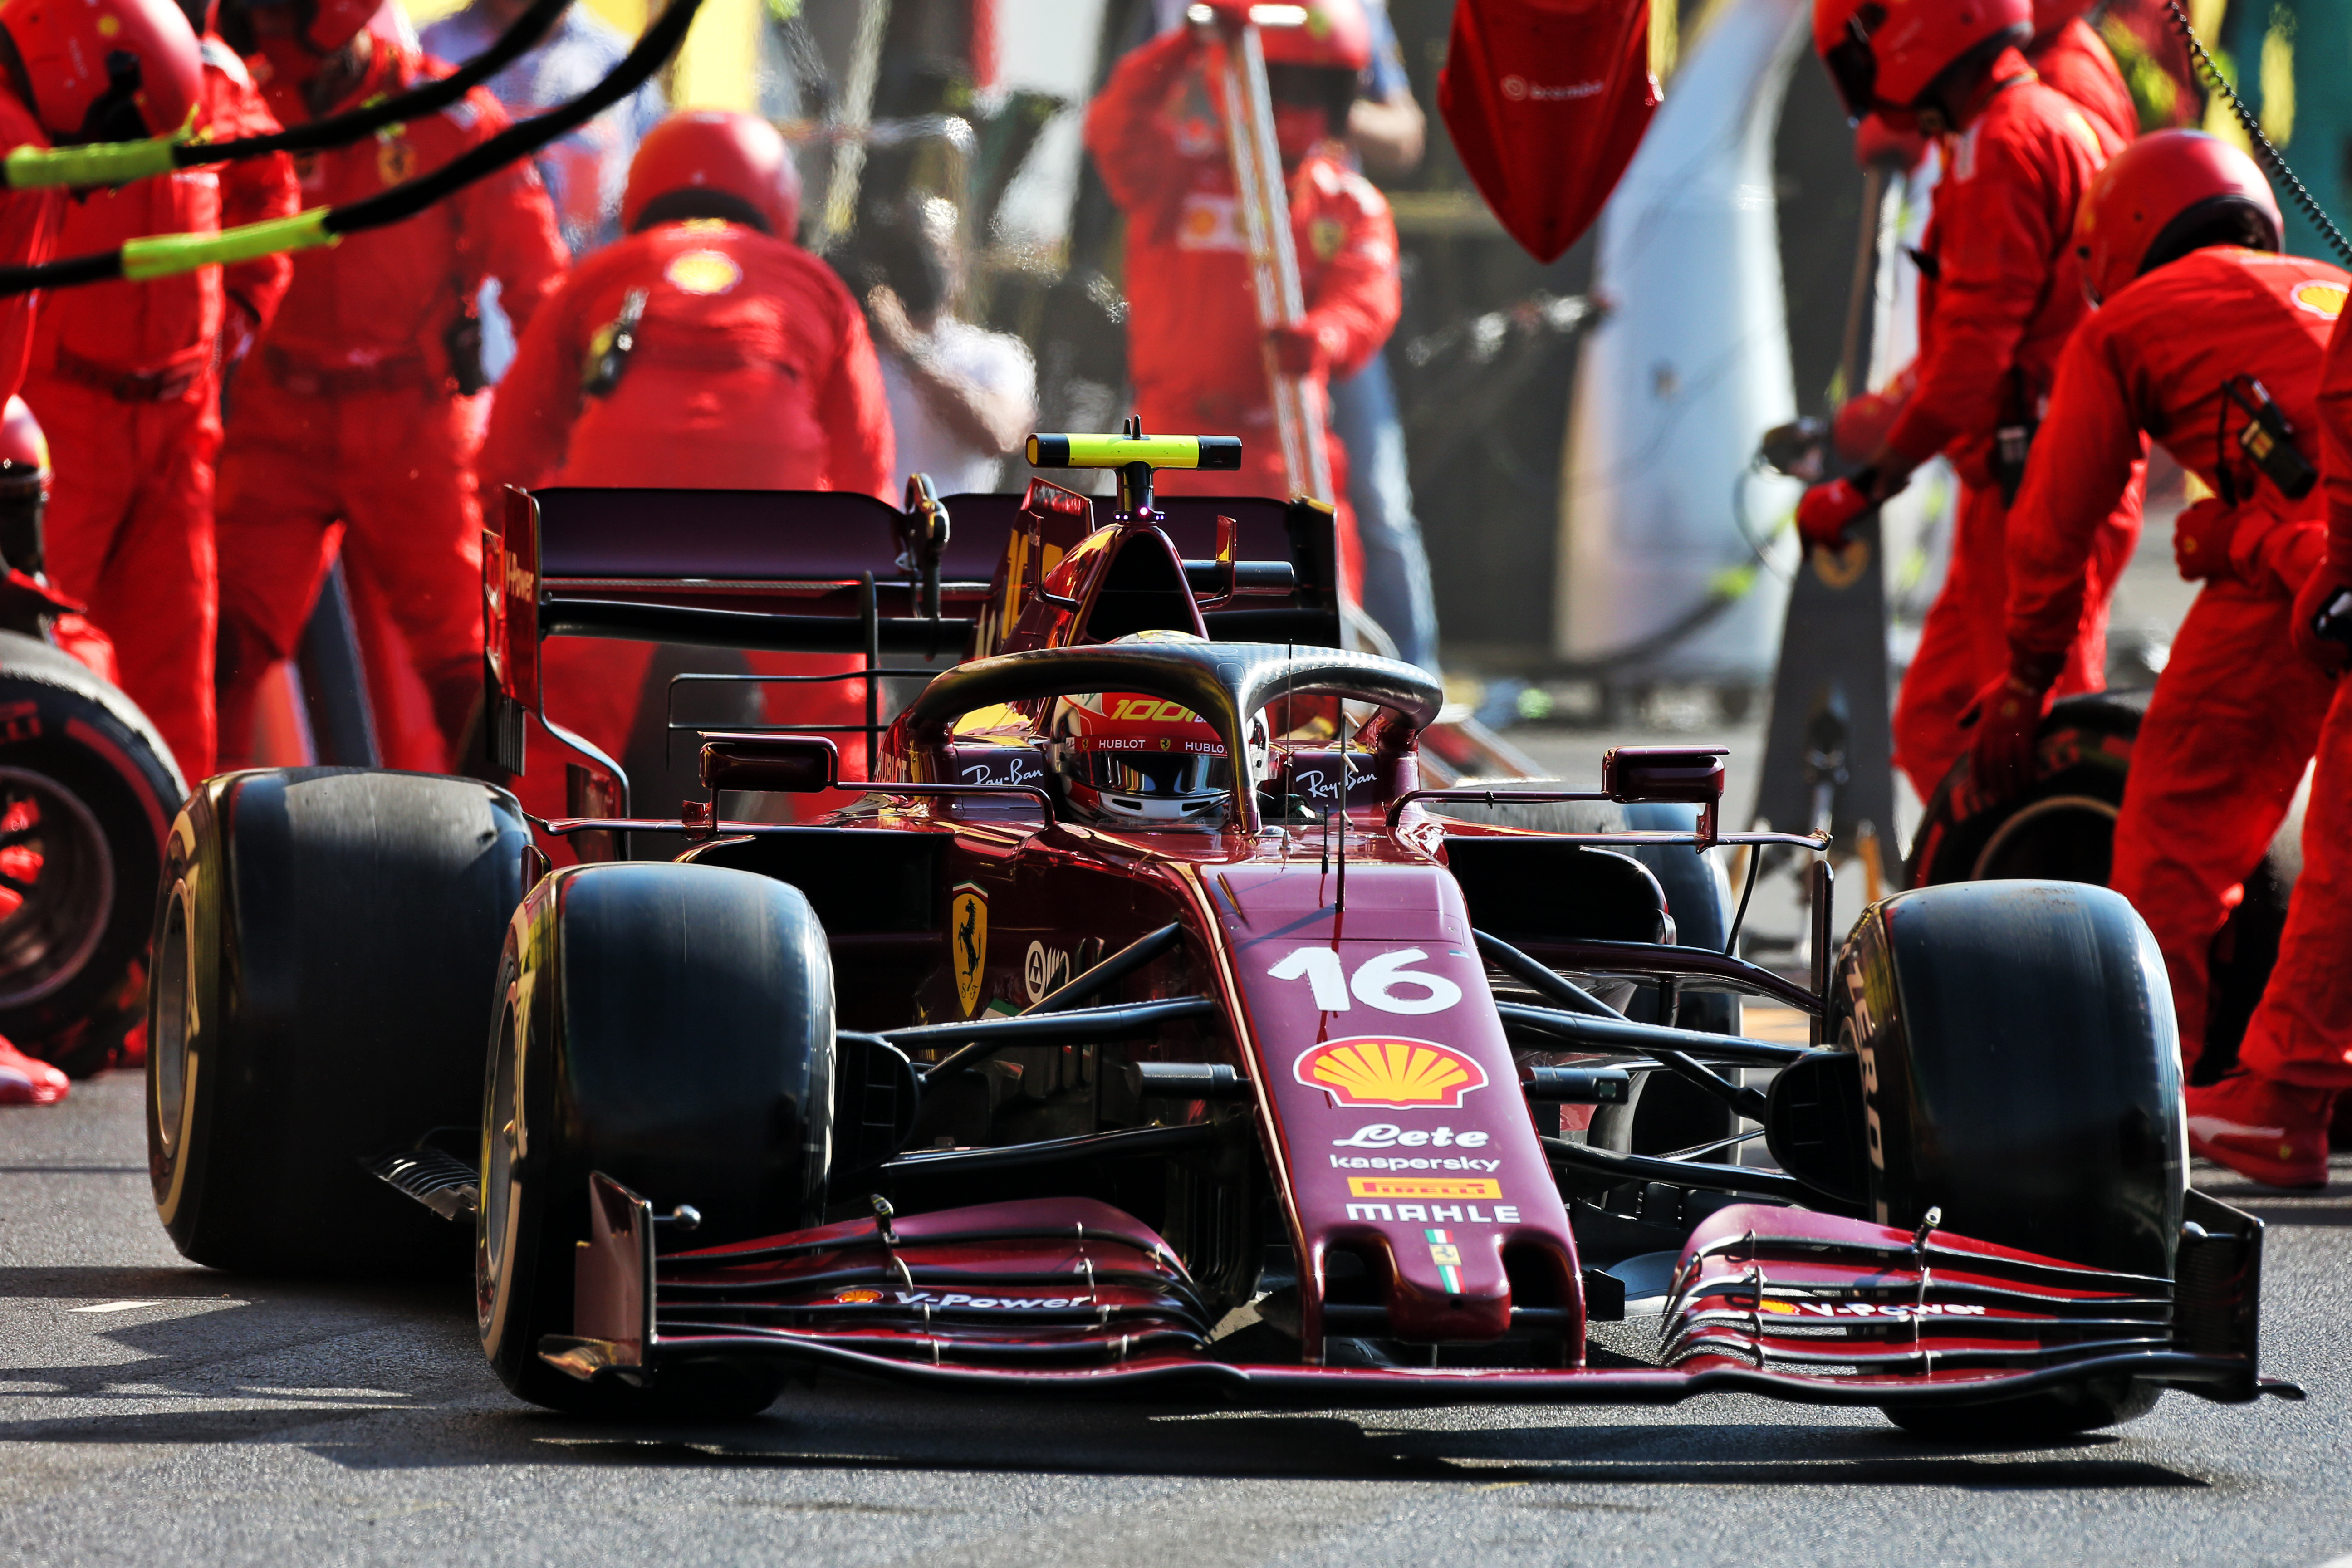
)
(1146, 1023)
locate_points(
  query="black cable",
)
(1755, 861)
(2273, 161)
(157, 256)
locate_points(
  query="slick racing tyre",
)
(2062, 828)
(326, 944)
(2021, 1072)
(87, 791)
(670, 1027)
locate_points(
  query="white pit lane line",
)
(117, 1306)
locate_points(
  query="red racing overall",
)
(347, 426)
(2004, 291)
(126, 378)
(1195, 348)
(752, 370)
(2235, 712)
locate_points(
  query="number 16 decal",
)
(1375, 983)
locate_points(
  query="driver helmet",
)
(1128, 759)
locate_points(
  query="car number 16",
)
(1374, 983)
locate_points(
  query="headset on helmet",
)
(1126, 758)
(105, 70)
(320, 27)
(713, 164)
(1886, 55)
(2165, 196)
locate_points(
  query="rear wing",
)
(832, 572)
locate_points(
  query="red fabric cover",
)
(383, 463)
(1193, 345)
(1546, 100)
(752, 370)
(2233, 720)
(2302, 1032)
(2008, 286)
(2130, 369)
(1962, 648)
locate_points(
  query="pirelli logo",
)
(1423, 1187)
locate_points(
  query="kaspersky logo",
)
(1395, 1073)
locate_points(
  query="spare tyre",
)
(87, 791)
(2061, 828)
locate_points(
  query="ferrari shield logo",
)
(968, 939)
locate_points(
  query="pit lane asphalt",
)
(153, 1412)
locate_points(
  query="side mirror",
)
(1686, 773)
(788, 765)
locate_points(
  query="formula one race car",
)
(1145, 1022)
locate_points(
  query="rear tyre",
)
(2021, 1072)
(325, 946)
(87, 794)
(671, 1026)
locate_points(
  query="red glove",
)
(1828, 511)
(1299, 350)
(1878, 144)
(2007, 717)
(2319, 591)
(2201, 537)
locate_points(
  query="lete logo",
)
(1402, 1074)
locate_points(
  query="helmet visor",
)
(1156, 775)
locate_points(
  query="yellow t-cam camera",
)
(1211, 452)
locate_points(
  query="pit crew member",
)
(354, 421)
(704, 351)
(1195, 352)
(2269, 1119)
(128, 380)
(2181, 228)
(2002, 294)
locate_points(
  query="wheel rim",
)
(56, 886)
(501, 1129)
(2067, 836)
(171, 1024)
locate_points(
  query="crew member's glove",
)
(1299, 350)
(1862, 422)
(1880, 144)
(2318, 596)
(2007, 718)
(1827, 511)
(2202, 537)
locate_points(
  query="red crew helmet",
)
(709, 162)
(1885, 54)
(283, 30)
(1332, 35)
(2165, 196)
(106, 71)
(23, 453)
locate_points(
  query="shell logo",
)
(2322, 299)
(704, 272)
(863, 1296)
(1398, 1074)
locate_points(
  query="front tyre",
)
(670, 1027)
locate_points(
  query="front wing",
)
(1073, 1296)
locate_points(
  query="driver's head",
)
(1128, 759)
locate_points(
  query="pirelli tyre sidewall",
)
(670, 1027)
(325, 943)
(2063, 826)
(86, 785)
(2021, 1072)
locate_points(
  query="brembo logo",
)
(1398, 1074)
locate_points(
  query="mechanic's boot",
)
(26, 1081)
(2273, 1132)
